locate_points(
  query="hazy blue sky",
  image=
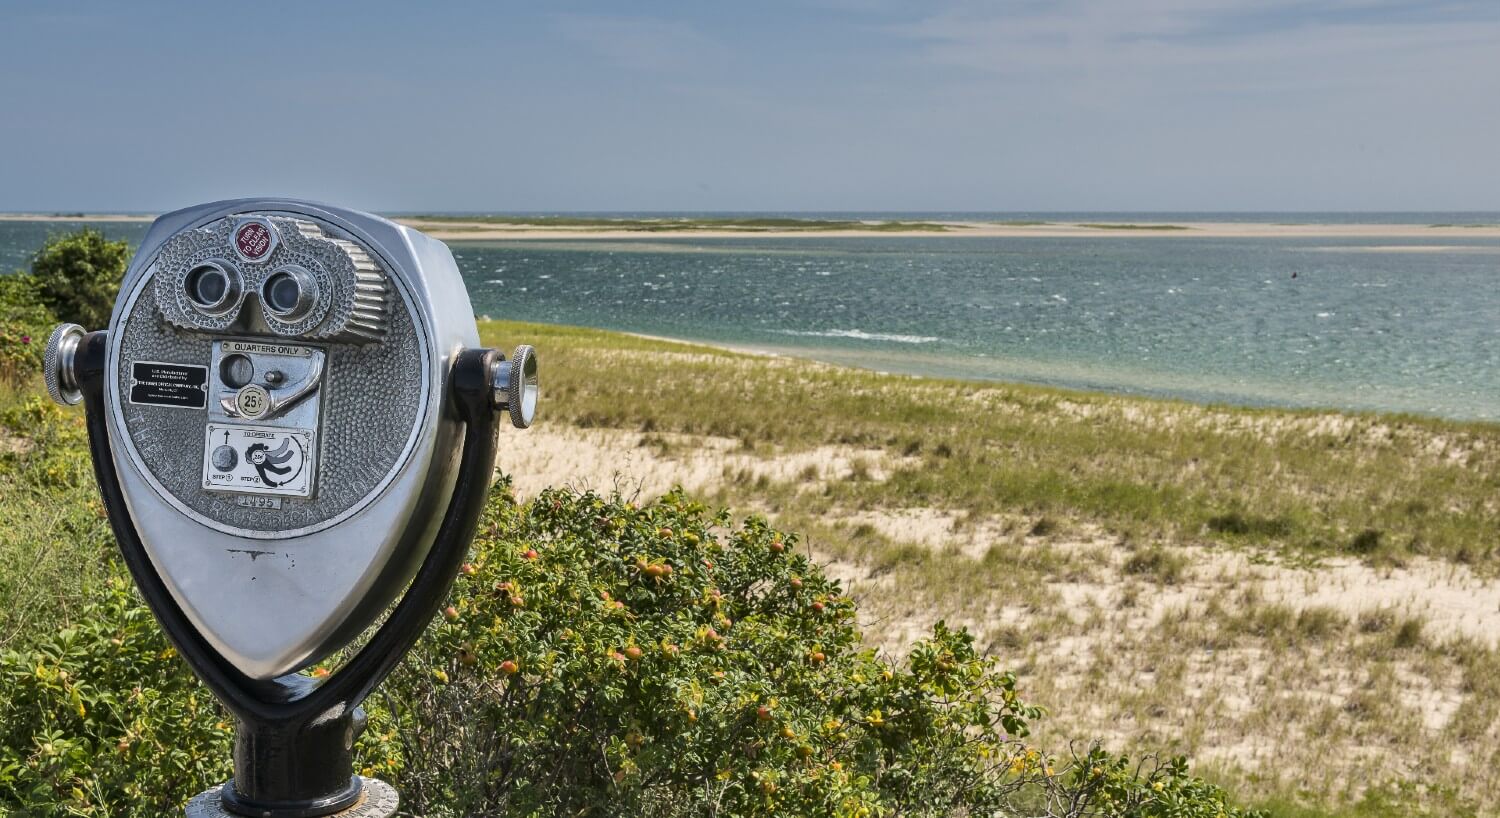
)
(764, 105)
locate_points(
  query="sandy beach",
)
(470, 231)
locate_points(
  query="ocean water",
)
(1336, 323)
(20, 240)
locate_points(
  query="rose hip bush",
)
(25, 322)
(597, 659)
(600, 658)
(104, 719)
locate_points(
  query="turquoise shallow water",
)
(1359, 327)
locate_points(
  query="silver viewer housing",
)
(277, 399)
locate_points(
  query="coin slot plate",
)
(262, 456)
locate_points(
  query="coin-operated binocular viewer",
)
(291, 421)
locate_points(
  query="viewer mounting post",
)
(291, 420)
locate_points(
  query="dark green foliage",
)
(24, 324)
(598, 659)
(1249, 524)
(102, 719)
(78, 276)
(1366, 542)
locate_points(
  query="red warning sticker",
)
(253, 240)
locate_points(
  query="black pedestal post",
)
(295, 735)
(295, 768)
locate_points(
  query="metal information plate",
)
(154, 383)
(263, 460)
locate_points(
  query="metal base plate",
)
(377, 800)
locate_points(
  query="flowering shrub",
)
(600, 658)
(24, 324)
(102, 719)
(597, 659)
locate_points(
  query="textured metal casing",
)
(273, 602)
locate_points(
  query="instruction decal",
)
(259, 460)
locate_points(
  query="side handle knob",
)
(57, 365)
(514, 386)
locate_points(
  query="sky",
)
(831, 105)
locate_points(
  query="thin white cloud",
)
(640, 44)
(1045, 42)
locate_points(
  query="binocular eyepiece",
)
(292, 419)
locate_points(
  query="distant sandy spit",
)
(457, 229)
(74, 217)
(475, 231)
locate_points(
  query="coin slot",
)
(236, 370)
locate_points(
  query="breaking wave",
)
(861, 335)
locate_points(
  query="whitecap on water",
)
(861, 335)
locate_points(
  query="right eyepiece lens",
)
(207, 286)
(283, 292)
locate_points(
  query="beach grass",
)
(1378, 487)
(53, 534)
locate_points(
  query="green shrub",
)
(102, 719)
(597, 659)
(79, 275)
(24, 324)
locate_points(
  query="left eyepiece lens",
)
(209, 287)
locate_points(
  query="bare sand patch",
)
(15, 444)
(633, 463)
(1222, 658)
(1450, 599)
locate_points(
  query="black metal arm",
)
(294, 735)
